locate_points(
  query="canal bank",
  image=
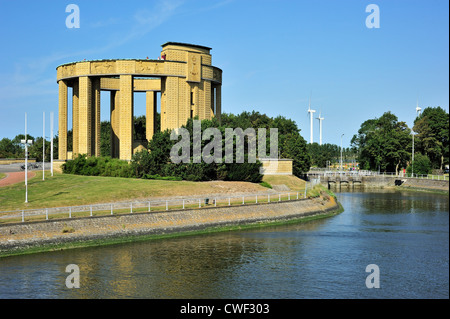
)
(387, 182)
(81, 232)
(425, 185)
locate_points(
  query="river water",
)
(405, 234)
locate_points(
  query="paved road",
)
(16, 167)
(15, 177)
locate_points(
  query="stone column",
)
(126, 117)
(194, 107)
(207, 100)
(84, 116)
(150, 98)
(169, 103)
(218, 102)
(62, 118)
(75, 119)
(95, 120)
(115, 124)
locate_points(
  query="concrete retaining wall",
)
(26, 235)
(389, 181)
(425, 184)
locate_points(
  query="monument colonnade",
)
(189, 85)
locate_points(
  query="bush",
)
(421, 165)
(246, 172)
(191, 171)
(97, 166)
(142, 163)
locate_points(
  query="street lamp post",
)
(43, 146)
(412, 153)
(51, 142)
(341, 152)
(26, 142)
(418, 109)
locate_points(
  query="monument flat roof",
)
(187, 44)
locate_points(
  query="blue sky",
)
(274, 55)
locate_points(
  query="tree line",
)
(14, 149)
(329, 155)
(155, 161)
(382, 144)
(386, 143)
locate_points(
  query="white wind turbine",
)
(311, 121)
(418, 109)
(320, 118)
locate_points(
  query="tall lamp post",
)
(418, 109)
(51, 145)
(51, 142)
(43, 147)
(412, 155)
(341, 152)
(26, 143)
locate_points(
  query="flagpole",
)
(51, 143)
(43, 147)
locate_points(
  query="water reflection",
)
(406, 234)
(191, 267)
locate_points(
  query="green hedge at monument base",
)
(147, 166)
(98, 166)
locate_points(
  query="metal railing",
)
(151, 205)
(371, 173)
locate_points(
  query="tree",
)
(290, 143)
(326, 154)
(139, 125)
(35, 150)
(70, 140)
(294, 147)
(432, 139)
(153, 160)
(105, 138)
(421, 165)
(383, 143)
(360, 143)
(8, 149)
(14, 148)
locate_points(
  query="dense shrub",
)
(98, 166)
(191, 171)
(247, 172)
(421, 165)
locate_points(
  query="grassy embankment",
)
(63, 190)
(130, 239)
